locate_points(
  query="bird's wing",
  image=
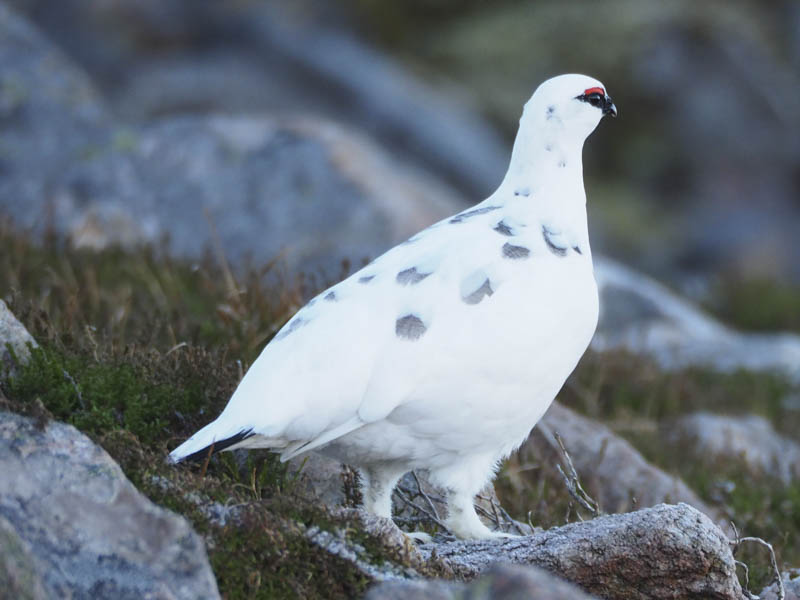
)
(349, 356)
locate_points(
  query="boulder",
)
(303, 189)
(749, 438)
(500, 582)
(81, 529)
(50, 116)
(663, 552)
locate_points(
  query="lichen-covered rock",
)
(500, 582)
(750, 438)
(18, 576)
(13, 334)
(88, 531)
(668, 551)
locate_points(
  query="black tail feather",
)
(218, 446)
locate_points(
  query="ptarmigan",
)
(444, 352)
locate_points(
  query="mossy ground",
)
(138, 350)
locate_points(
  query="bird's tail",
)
(211, 439)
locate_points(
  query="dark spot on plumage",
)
(410, 276)
(577, 249)
(562, 164)
(366, 278)
(330, 296)
(219, 445)
(547, 234)
(460, 218)
(515, 252)
(479, 294)
(503, 229)
(551, 110)
(296, 324)
(548, 148)
(522, 192)
(409, 327)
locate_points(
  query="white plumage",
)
(443, 353)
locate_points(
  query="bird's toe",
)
(420, 537)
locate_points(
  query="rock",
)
(18, 576)
(14, 334)
(668, 551)
(750, 438)
(791, 586)
(500, 582)
(611, 470)
(417, 589)
(50, 117)
(304, 189)
(641, 315)
(400, 557)
(92, 535)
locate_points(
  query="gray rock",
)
(612, 470)
(13, 334)
(751, 439)
(88, 531)
(304, 189)
(50, 117)
(500, 582)
(643, 316)
(668, 551)
(407, 559)
(18, 576)
(791, 587)
(419, 590)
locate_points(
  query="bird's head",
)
(572, 103)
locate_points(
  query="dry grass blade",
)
(401, 492)
(737, 542)
(573, 482)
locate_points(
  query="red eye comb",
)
(595, 90)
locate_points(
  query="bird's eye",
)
(595, 99)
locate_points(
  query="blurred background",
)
(329, 130)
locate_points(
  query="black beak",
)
(608, 107)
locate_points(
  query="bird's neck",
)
(545, 160)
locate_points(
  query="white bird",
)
(444, 352)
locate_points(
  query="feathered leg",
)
(462, 483)
(377, 485)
